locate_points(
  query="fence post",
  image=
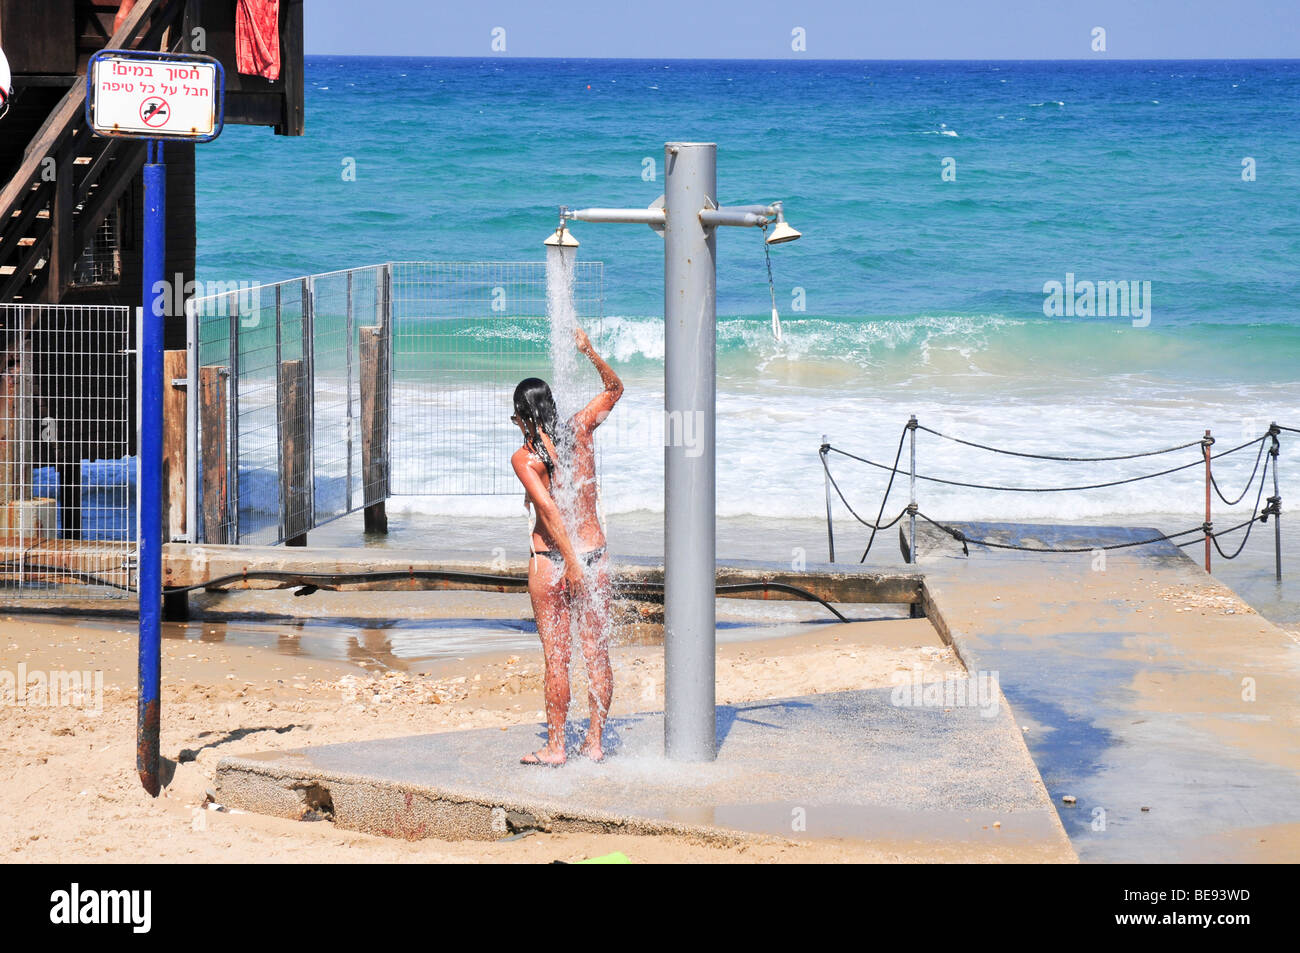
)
(309, 397)
(349, 333)
(374, 429)
(376, 401)
(1206, 444)
(386, 330)
(15, 417)
(911, 425)
(173, 463)
(175, 399)
(295, 472)
(281, 494)
(830, 533)
(213, 416)
(232, 459)
(191, 421)
(1276, 503)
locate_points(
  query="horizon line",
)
(796, 59)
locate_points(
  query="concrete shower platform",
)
(925, 782)
(1151, 693)
(1163, 705)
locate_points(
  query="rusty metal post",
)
(1206, 444)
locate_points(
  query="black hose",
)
(477, 578)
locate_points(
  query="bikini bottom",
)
(590, 557)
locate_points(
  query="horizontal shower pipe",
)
(631, 216)
(749, 216)
(711, 217)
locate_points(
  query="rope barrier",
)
(1052, 489)
(962, 538)
(1205, 531)
(1046, 456)
(1250, 524)
(1214, 481)
(875, 527)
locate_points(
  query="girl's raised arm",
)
(594, 414)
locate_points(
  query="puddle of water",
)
(409, 644)
(396, 645)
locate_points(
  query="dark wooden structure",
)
(71, 202)
(75, 238)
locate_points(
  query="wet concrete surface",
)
(1130, 703)
(837, 765)
(1136, 680)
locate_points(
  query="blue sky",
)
(834, 29)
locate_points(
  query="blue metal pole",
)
(150, 351)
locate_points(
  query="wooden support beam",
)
(295, 453)
(213, 408)
(291, 69)
(175, 365)
(15, 419)
(374, 428)
(130, 159)
(62, 252)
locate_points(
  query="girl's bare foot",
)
(546, 756)
(592, 752)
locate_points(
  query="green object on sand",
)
(618, 857)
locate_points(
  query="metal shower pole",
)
(690, 384)
(687, 219)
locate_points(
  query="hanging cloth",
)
(257, 38)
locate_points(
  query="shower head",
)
(783, 232)
(562, 238)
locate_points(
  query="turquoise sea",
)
(919, 294)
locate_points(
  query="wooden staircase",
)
(67, 180)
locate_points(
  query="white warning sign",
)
(141, 97)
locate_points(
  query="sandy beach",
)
(71, 793)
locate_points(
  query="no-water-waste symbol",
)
(154, 111)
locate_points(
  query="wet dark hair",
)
(535, 407)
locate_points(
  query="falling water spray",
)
(592, 609)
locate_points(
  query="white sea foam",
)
(973, 377)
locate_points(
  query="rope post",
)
(1276, 502)
(911, 425)
(1206, 444)
(826, 473)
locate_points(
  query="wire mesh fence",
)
(464, 335)
(323, 395)
(279, 382)
(67, 474)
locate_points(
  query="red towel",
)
(257, 38)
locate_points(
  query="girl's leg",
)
(551, 610)
(595, 623)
